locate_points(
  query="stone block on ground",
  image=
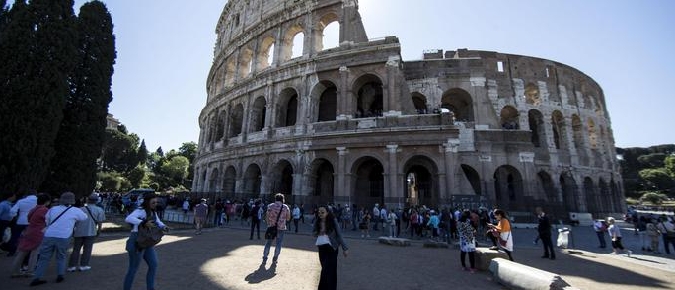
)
(394, 241)
(435, 244)
(518, 276)
(485, 255)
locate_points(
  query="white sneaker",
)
(85, 268)
(71, 269)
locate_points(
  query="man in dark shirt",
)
(544, 229)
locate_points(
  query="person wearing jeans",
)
(277, 213)
(139, 217)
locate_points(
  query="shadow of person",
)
(262, 274)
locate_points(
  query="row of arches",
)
(273, 48)
(419, 182)
(532, 97)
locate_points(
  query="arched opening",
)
(508, 117)
(288, 108)
(617, 206)
(293, 43)
(230, 73)
(532, 94)
(421, 184)
(230, 181)
(214, 181)
(245, 62)
(298, 45)
(266, 56)
(220, 123)
(606, 198)
(328, 32)
(592, 134)
(473, 178)
(282, 178)
(213, 129)
(252, 181)
(202, 180)
(592, 203)
(420, 103)
(536, 121)
(570, 192)
(368, 182)
(327, 101)
(236, 121)
(558, 124)
(546, 185)
(369, 102)
(509, 188)
(258, 112)
(459, 102)
(323, 182)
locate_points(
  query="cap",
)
(67, 198)
(93, 198)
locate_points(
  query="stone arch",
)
(592, 202)
(368, 182)
(592, 134)
(229, 181)
(532, 96)
(508, 117)
(322, 181)
(230, 72)
(617, 206)
(257, 114)
(460, 103)
(577, 133)
(281, 177)
(559, 130)
(369, 97)
(289, 44)
(214, 180)
(212, 129)
(266, 54)
(606, 197)
(236, 121)
(203, 180)
(547, 186)
(421, 181)
(509, 188)
(570, 192)
(252, 181)
(287, 108)
(536, 121)
(327, 34)
(220, 125)
(420, 102)
(245, 62)
(325, 92)
(473, 178)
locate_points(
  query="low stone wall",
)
(518, 276)
(394, 241)
(484, 256)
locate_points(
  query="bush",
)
(653, 198)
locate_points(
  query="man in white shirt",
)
(60, 220)
(376, 216)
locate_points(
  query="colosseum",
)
(355, 124)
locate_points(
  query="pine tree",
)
(17, 99)
(37, 53)
(82, 131)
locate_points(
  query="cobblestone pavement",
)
(224, 258)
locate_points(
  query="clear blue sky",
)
(165, 51)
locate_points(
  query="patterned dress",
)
(467, 239)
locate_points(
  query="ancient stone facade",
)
(356, 124)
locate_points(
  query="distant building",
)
(356, 124)
(112, 122)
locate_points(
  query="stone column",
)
(527, 159)
(340, 186)
(450, 188)
(344, 95)
(391, 104)
(394, 194)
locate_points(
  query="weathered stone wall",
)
(356, 124)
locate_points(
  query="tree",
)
(37, 52)
(142, 153)
(136, 176)
(669, 164)
(657, 178)
(189, 150)
(119, 151)
(653, 160)
(653, 198)
(82, 131)
(176, 168)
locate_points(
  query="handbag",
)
(503, 242)
(271, 232)
(148, 236)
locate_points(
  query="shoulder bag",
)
(271, 232)
(57, 218)
(149, 236)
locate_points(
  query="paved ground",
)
(224, 258)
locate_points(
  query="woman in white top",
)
(328, 240)
(145, 216)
